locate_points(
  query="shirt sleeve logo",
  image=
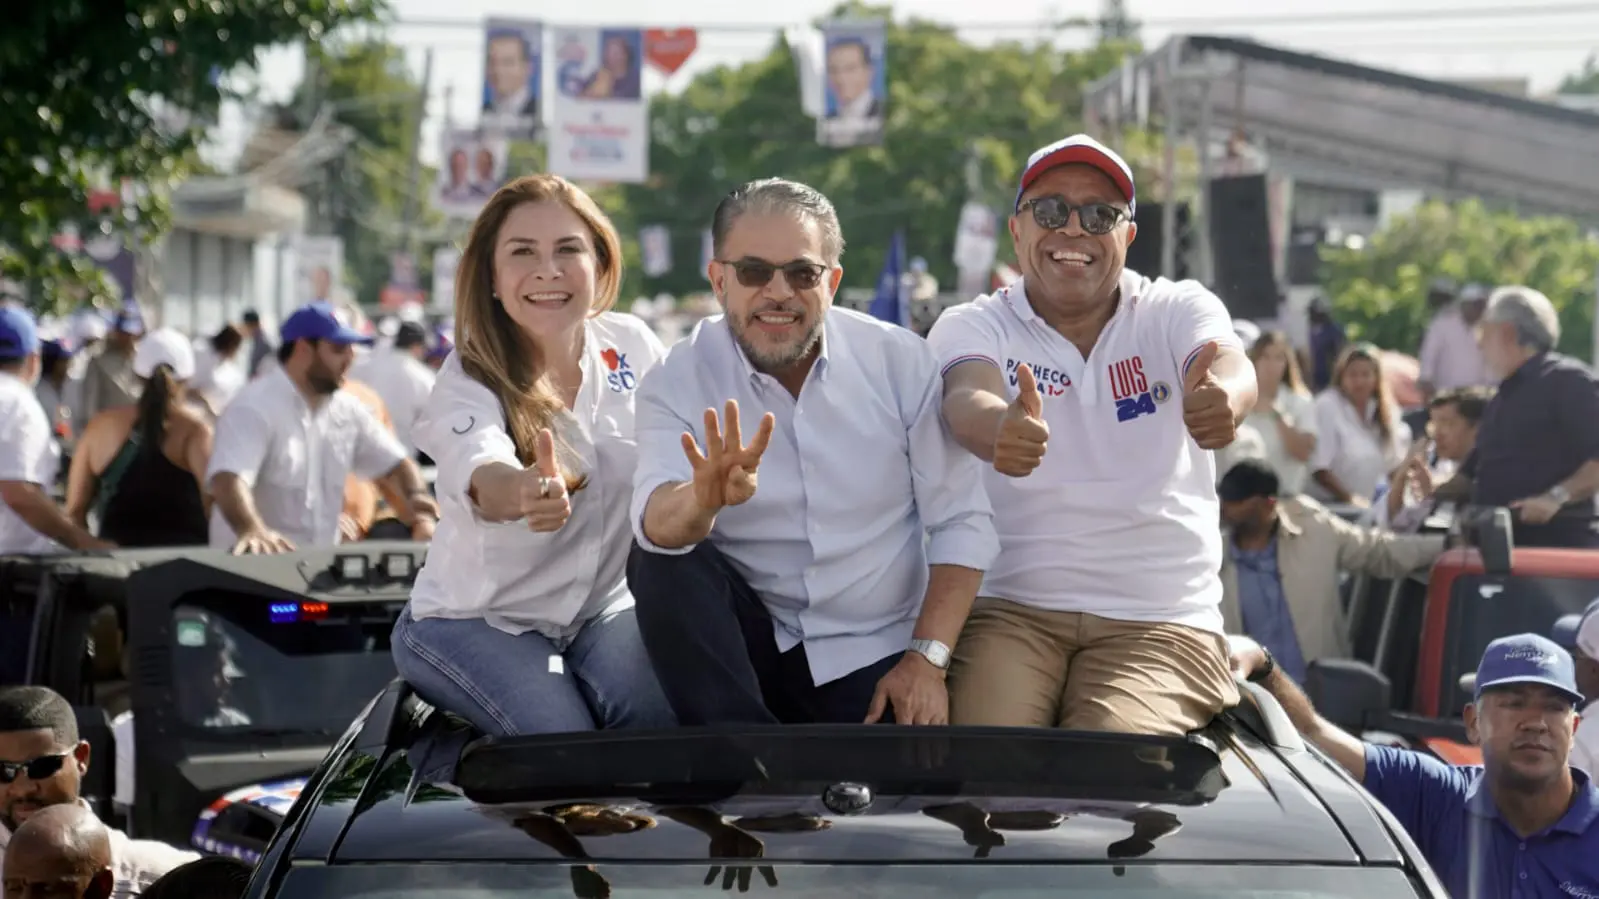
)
(1051, 381)
(1135, 397)
(620, 377)
(459, 429)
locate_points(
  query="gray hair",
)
(1534, 317)
(779, 196)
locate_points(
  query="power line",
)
(1430, 15)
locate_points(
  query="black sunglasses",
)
(1053, 212)
(42, 768)
(799, 274)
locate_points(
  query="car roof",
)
(1235, 797)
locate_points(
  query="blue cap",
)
(128, 320)
(1080, 148)
(19, 334)
(319, 321)
(1528, 659)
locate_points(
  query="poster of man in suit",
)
(513, 69)
(856, 84)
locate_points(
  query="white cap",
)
(164, 346)
(1247, 331)
(88, 325)
(1587, 641)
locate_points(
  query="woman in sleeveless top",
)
(140, 469)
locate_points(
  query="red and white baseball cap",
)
(1080, 148)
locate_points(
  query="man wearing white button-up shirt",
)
(835, 591)
(400, 377)
(1102, 611)
(289, 439)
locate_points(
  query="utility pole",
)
(414, 193)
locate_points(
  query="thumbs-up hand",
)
(1019, 445)
(1207, 409)
(544, 500)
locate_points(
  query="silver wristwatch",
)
(933, 651)
(1560, 494)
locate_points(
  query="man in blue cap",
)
(31, 522)
(1522, 823)
(290, 438)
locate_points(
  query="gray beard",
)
(770, 361)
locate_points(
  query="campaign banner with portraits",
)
(471, 169)
(855, 84)
(599, 123)
(318, 268)
(513, 77)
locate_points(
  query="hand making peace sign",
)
(724, 474)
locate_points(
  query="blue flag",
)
(892, 303)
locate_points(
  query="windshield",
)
(968, 881)
(241, 664)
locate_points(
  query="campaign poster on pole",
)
(445, 261)
(599, 129)
(319, 268)
(472, 168)
(513, 77)
(855, 84)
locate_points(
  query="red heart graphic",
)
(668, 48)
(612, 360)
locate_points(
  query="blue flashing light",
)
(284, 612)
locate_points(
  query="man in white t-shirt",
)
(1580, 635)
(401, 378)
(31, 521)
(1102, 611)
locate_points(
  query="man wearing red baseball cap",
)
(1102, 611)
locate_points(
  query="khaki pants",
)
(1017, 666)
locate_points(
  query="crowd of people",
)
(801, 514)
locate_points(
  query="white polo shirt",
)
(29, 454)
(1121, 519)
(295, 459)
(512, 577)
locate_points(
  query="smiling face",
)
(775, 282)
(545, 268)
(1067, 267)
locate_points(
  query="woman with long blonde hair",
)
(1360, 436)
(1284, 415)
(521, 620)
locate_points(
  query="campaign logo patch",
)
(619, 375)
(1051, 381)
(1135, 396)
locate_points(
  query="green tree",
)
(369, 89)
(1585, 81)
(94, 94)
(947, 100)
(1380, 289)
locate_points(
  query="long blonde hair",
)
(1291, 375)
(491, 346)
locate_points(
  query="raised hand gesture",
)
(542, 495)
(724, 472)
(1023, 434)
(1207, 409)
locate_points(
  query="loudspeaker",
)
(1240, 245)
(1144, 253)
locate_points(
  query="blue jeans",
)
(508, 685)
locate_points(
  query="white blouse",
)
(1299, 412)
(514, 578)
(1349, 445)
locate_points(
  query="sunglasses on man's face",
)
(42, 768)
(799, 274)
(1052, 213)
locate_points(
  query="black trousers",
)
(711, 642)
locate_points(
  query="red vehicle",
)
(1433, 628)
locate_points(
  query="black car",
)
(411, 803)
